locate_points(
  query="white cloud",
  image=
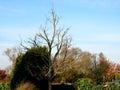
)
(108, 37)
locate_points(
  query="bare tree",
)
(13, 53)
(55, 40)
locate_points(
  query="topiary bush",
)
(31, 67)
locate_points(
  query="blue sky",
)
(94, 24)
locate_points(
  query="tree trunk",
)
(49, 85)
(50, 79)
(50, 70)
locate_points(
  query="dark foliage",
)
(31, 67)
(63, 87)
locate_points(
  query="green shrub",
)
(113, 86)
(87, 84)
(98, 87)
(4, 86)
(117, 76)
(84, 84)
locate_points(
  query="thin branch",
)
(60, 44)
(41, 36)
(54, 26)
(46, 38)
(25, 47)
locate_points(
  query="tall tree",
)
(54, 37)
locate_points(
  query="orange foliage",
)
(3, 76)
(112, 71)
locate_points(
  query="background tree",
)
(81, 64)
(85, 63)
(66, 70)
(117, 74)
(99, 68)
(13, 53)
